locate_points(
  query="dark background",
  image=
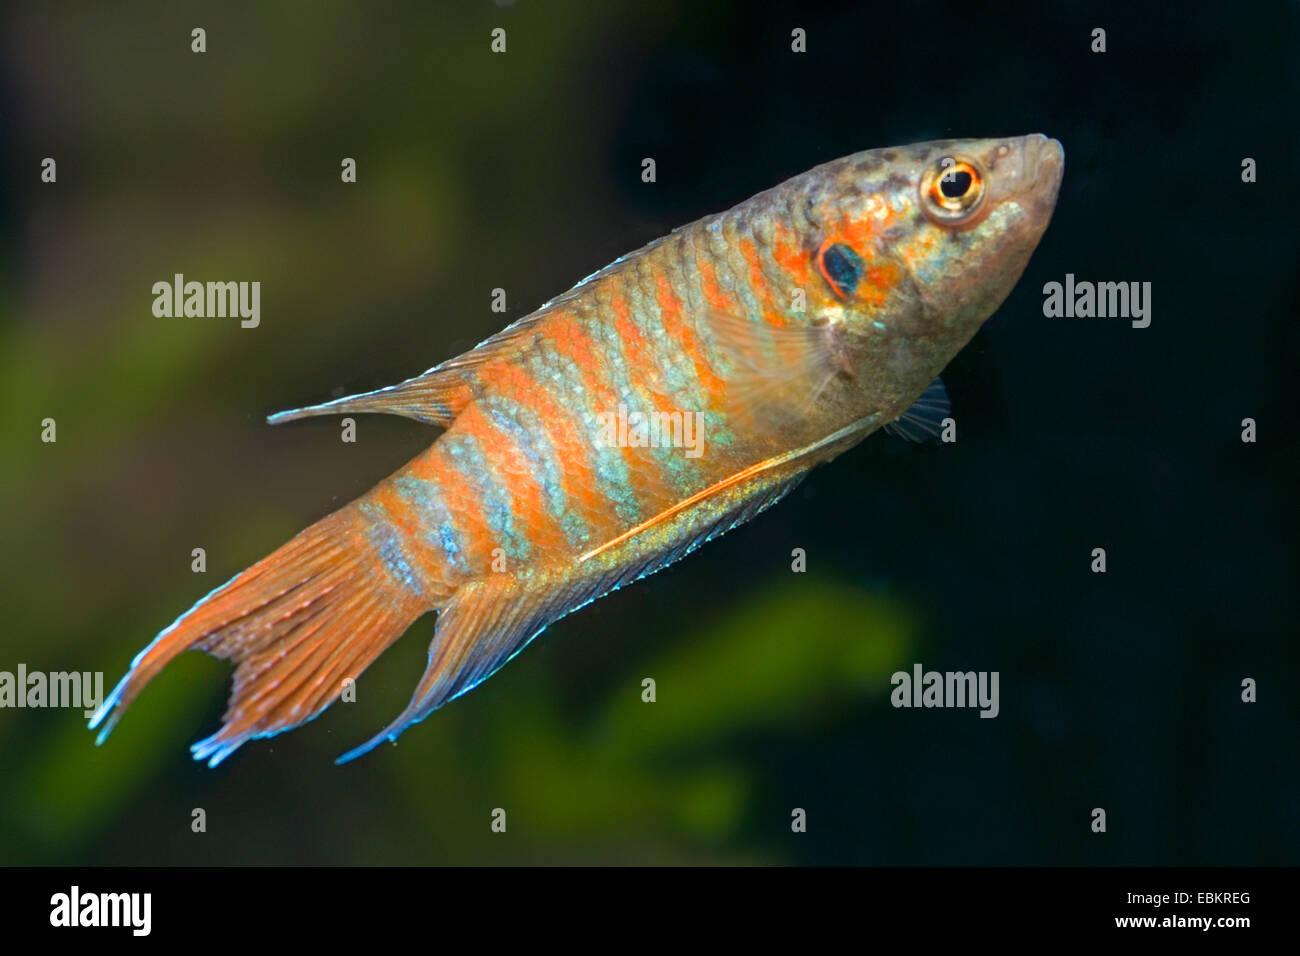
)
(1119, 691)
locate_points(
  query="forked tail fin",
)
(297, 624)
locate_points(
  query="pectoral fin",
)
(778, 372)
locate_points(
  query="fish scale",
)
(524, 510)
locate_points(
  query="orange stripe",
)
(647, 477)
(462, 500)
(713, 293)
(758, 282)
(636, 349)
(793, 258)
(880, 279)
(572, 341)
(413, 530)
(510, 466)
(681, 332)
(572, 450)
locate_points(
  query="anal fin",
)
(486, 623)
(490, 620)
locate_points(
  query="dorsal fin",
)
(435, 397)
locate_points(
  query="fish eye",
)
(840, 266)
(951, 189)
(955, 185)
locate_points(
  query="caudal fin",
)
(297, 624)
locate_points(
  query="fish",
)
(778, 333)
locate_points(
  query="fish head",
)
(918, 245)
(977, 211)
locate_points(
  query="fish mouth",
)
(1042, 166)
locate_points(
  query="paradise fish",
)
(779, 333)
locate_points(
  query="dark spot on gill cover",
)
(842, 266)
